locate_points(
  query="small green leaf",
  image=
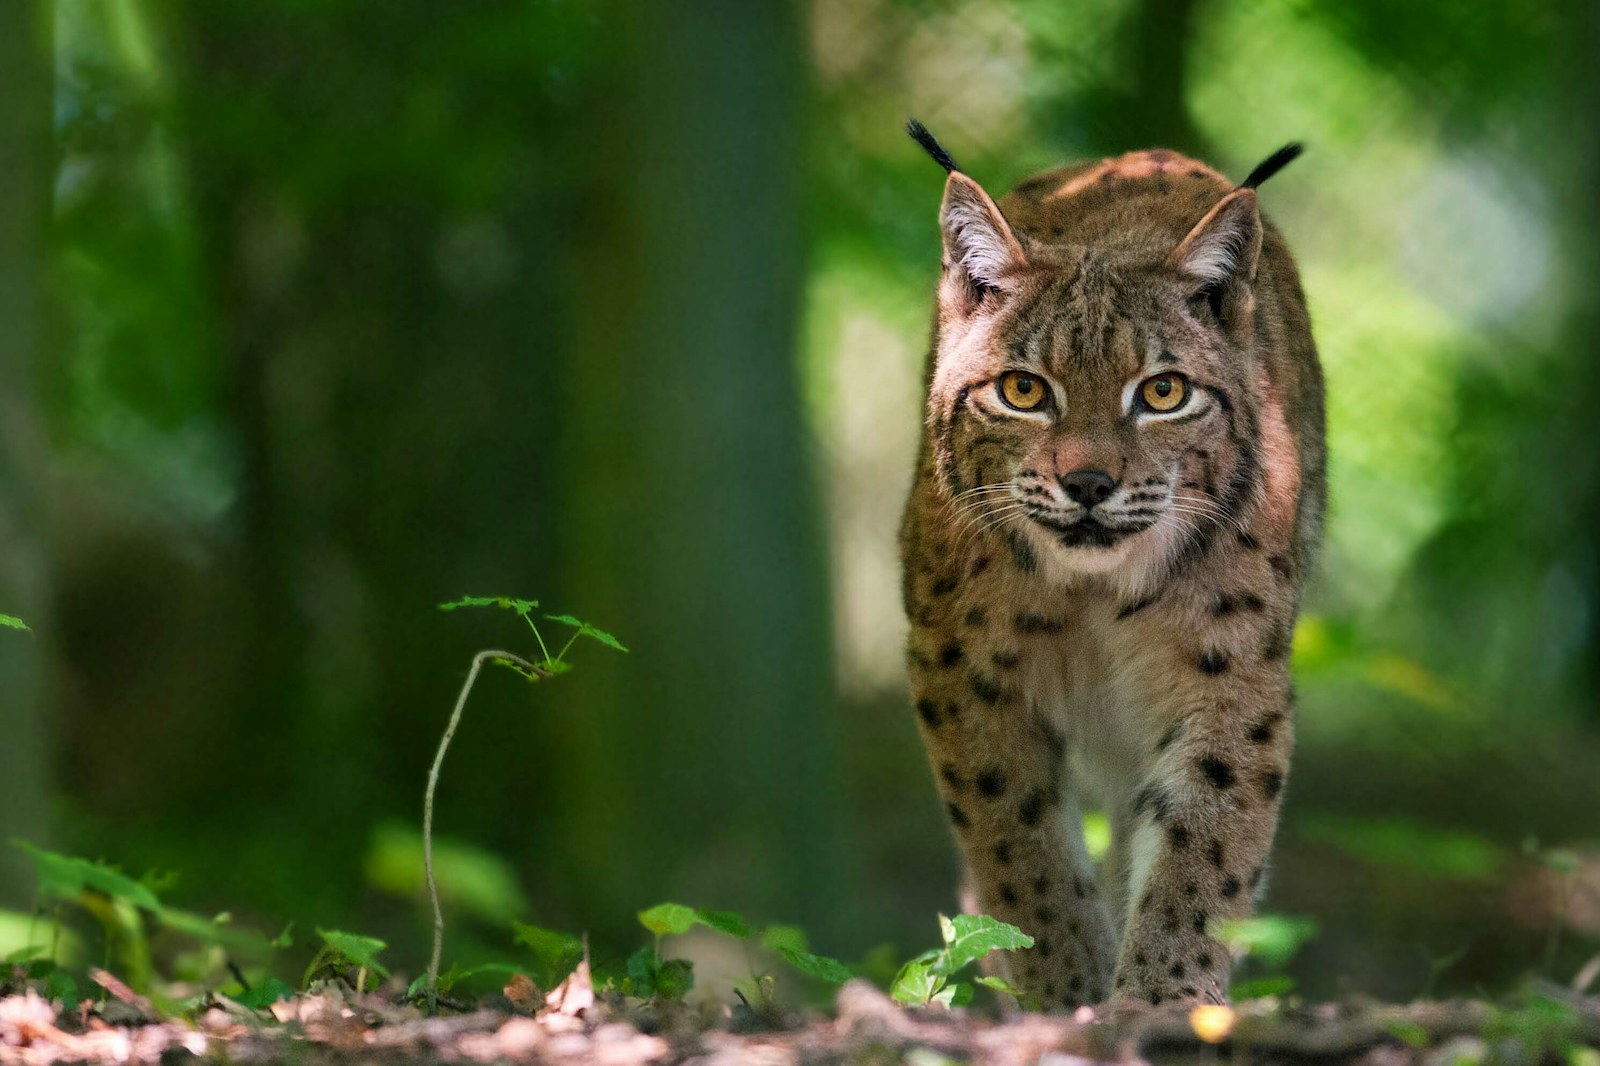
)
(999, 984)
(821, 967)
(669, 918)
(522, 607)
(973, 936)
(283, 940)
(13, 622)
(458, 973)
(916, 983)
(957, 994)
(586, 630)
(60, 986)
(642, 967)
(359, 950)
(265, 994)
(554, 954)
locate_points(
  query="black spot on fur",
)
(1249, 542)
(1191, 889)
(952, 778)
(950, 655)
(1169, 736)
(944, 586)
(1022, 554)
(1212, 662)
(985, 688)
(1255, 877)
(1041, 884)
(1042, 946)
(929, 712)
(1218, 772)
(1038, 623)
(1169, 920)
(1187, 990)
(979, 565)
(1271, 784)
(1136, 606)
(1074, 984)
(1005, 660)
(952, 710)
(991, 782)
(1230, 888)
(1155, 999)
(1032, 809)
(976, 618)
(957, 816)
(1281, 566)
(1240, 601)
(1044, 914)
(1278, 641)
(1204, 960)
(1178, 837)
(1154, 799)
(1081, 888)
(1261, 732)
(1200, 922)
(1008, 894)
(1178, 969)
(1214, 852)
(1002, 853)
(1139, 959)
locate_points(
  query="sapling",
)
(538, 668)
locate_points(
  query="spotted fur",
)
(1130, 653)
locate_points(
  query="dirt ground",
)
(336, 1025)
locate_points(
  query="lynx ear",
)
(979, 247)
(1223, 247)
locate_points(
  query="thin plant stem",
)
(562, 654)
(427, 802)
(540, 639)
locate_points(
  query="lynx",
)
(1119, 494)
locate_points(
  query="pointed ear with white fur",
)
(979, 247)
(1221, 252)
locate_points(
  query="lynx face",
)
(1086, 403)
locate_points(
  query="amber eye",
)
(1164, 392)
(1023, 391)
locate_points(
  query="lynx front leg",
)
(1203, 823)
(999, 768)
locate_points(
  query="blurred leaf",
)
(554, 954)
(999, 984)
(674, 978)
(13, 622)
(668, 918)
(955, 994)
(1097, 834)
(782, 938)
(726, 922)
(265, 994)
(1396, 843)
(358, 949)
(819, 966)
(60, 986)
(283, 939)
(24, 954)
(218, 930)
(457, 973)
(1409, 678)
(969, 937)
(1271, 939)
(63, 877)
(472, 879)
(1261, 987)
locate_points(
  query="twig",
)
(532, 672)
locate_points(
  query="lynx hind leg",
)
(999, 770)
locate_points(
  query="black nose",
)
(1088, 487)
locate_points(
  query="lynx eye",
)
(1164, 392)
(1023, 391)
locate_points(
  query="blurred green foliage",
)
(339, 307)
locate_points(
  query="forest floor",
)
(333, 1025)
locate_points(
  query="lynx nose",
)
(1087, 487)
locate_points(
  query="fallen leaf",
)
(523, 992)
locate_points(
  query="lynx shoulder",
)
(1118, 498)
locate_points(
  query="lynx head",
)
(1092, 389)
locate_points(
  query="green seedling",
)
(10, 621)
(933, 976)
(532, 669)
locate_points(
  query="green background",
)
(316, 313)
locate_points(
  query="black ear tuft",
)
(920, 134)
(1272, 164)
